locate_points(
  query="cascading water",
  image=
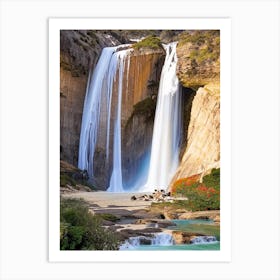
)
(116, 183)
(167, 125)
(163, 239)
(91, 111)
(106, 83)
(101, 83)
(159, 239)
(204, 240)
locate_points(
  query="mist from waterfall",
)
(167, 125)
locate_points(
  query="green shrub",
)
(201, 55)
(80, 230)
(151, 42)
(108, 217)
(67, 179)
(202, 196)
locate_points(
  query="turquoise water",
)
(206, 227)
(192, 222)
(190, 247)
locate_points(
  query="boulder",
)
(181, 237)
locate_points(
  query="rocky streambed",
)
(141, 226)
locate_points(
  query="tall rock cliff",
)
(79, 52)
(198, 70)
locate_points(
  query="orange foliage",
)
(185, 182)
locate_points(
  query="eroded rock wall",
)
(79, 52)
(202, 152)
(198, 70)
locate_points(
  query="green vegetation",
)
(67, 179)
(199, 37)
(72, 176)
(201, 55)
(108, 217)
(80, 230)
(206, 229)
(151, 42)
(205, 44)
(201, 196)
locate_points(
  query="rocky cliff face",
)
(198, 58)
(202, 152)
(79, 52)
(198, 70)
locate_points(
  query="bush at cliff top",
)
(201, 196)
(151, 42)
(80, 230)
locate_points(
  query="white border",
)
(55, 25)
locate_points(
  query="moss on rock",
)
(150, 42)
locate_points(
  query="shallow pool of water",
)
(190, 247)
(205, 227)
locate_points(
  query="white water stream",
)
(167, 125)
(116, 182)
(92, 106)
(159, 239)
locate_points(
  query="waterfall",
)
(101, 83)
(167, 125)
(116, 183)
(91, 111)
(163, 239)
(108, 82)
(204, 240)
(159, 239)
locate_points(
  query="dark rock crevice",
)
(188, 95)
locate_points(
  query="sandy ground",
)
(115, 203)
